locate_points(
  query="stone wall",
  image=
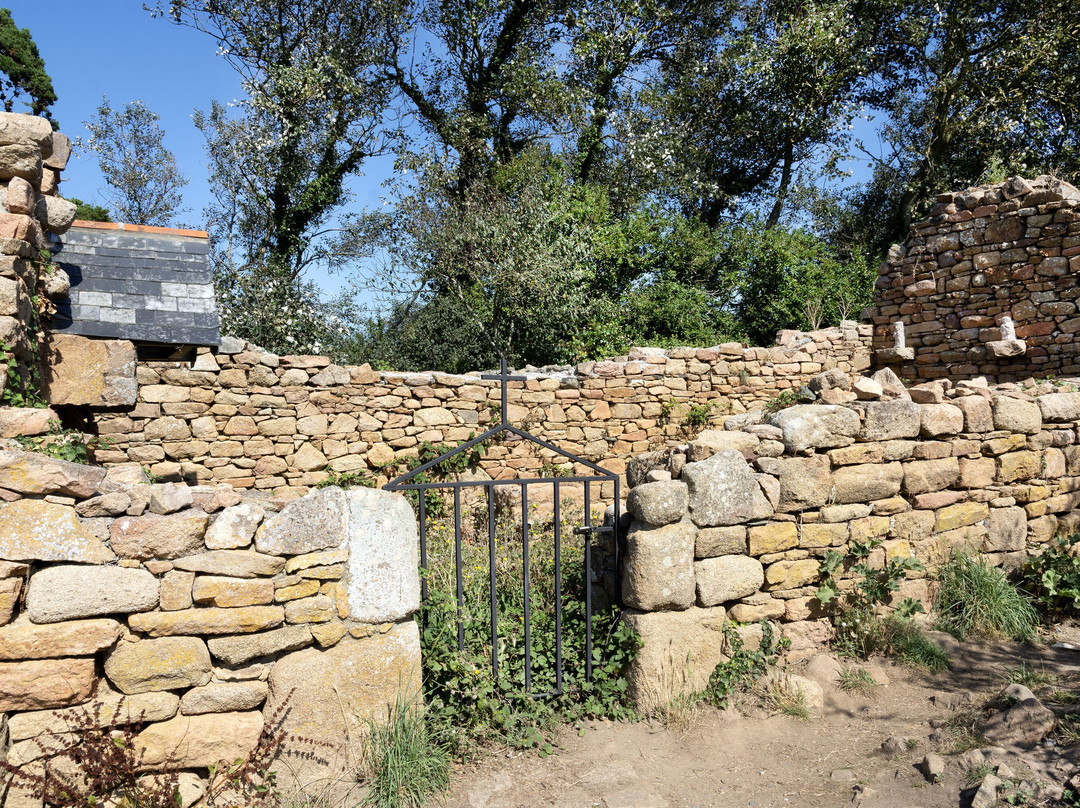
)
(734, 525)
(32, 156)
(984, 254)
(256, 420)
(202, 614)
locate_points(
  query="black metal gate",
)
(407, 482)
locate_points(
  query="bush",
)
(1052, 579)
(744, 666)
(404, 763)
(975, 598)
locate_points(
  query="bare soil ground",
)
(745, 757)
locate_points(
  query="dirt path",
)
(732, 759)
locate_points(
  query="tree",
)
(141, 172)
(313, 113)
(89, 212)
(22, 69)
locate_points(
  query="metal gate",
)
(407, 482)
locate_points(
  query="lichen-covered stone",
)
(816, 426)
(208, 621)
(1016, 415)
(35, 530)
(1007, 530)
(224, 697)
(70, 592)
(805, 482)
(726, 578)
(659, 503)
(659, 566)
(924, 476)
(215, 590)
(866, 483)
(170, 663)
(774, 537)
(724, 491)
(243, 649)
(42, 684)
(155, 536)
(331, 694)
(382, 570)
(961, 515)
(199, 741)
(791, 574)
(234, 527)
(236, 563)
(718, 541)
(317, 521)
(85, 372)
(891, 420)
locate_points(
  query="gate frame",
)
(602, 475)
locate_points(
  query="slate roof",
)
(146, 284)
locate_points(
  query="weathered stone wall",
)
(735, 525)
(200, 613)
(256, 420)
(32, 156)
(1009, 250)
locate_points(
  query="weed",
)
(744, 665)
(1030, 677)
(666, 409)
(63, 444)
(977, 773)
(975, 598)
(1052, 579)
(779, 695)
(552, 469)
(467, 701)
(963, 732)
(678, 713)
(1068, 729)
(912, 743)
(698, 416)
(858, 681)
(907, 642)
(403, 763)
(788, 398)
(1063, 697)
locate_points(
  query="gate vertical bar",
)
(525, 582)
(558, 593)
(458, 572)
(491, 578)
(588, 582)
(423, 558)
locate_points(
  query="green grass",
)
(1068, 730)
(976, 774)
(857, 681)
(912, 647)
(779, 695)
(1030, 677)
(977, 599)
(963, 732)
(404, 764)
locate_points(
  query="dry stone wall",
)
(983, 255)
(206, 616)
(257, 420)
(734, 524)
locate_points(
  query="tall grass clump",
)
(974, 598)
(404, 763)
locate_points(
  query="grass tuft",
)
(780, 695)
(404, 764)
(857, 681)
(977, 773)
(912, 647)
(975, 598)
(963, 732)
(1030, 677)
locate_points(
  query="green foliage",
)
(142, 174)
(1052, 578)
(89, 212)
(744, 666)
(975, 598)
(905, 640)
(347, 479)
(22, 70)
(403, 763)
(788, 398)
(63, 444)
(698, 415)
(1030, 676)
(466, 703)
(857, 680)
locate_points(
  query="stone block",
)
(941, 420)
(1016, 415)
(176, 590)
(224, 697)
(234, 527)
(774, 537)
(866, 482)
(170, 663)
(108, 707)
(659, 503)
(382, 568)
(155, 536)
(659, 566)
(925, 476)
(31, 473)
(1059, 407)
(315, 609)
(85, 372)
(805, 482)
(72, 592)
(241, 620)
(815, 536)
(317, 521)
(913, 525)
(333, 693)
(20, 160)
(977, 472)
(1019, 466)
(816, 426)
(978, 417)
(214, 590)
(726, 578)
(1007, 531)
(791, 574)
(235, 563)
(198, 741)
(31, 130)
(724, 491)
(242, 649)
(679, 652)
(44, 684)
(961, 515)
(36, 530)
(718, 541)
(890, 420)
(25, 640)
(710, 441)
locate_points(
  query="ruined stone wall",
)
(202, 615)
(256, 420)
(735, 527)
(1009, 250)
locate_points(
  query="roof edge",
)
(139, 228)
